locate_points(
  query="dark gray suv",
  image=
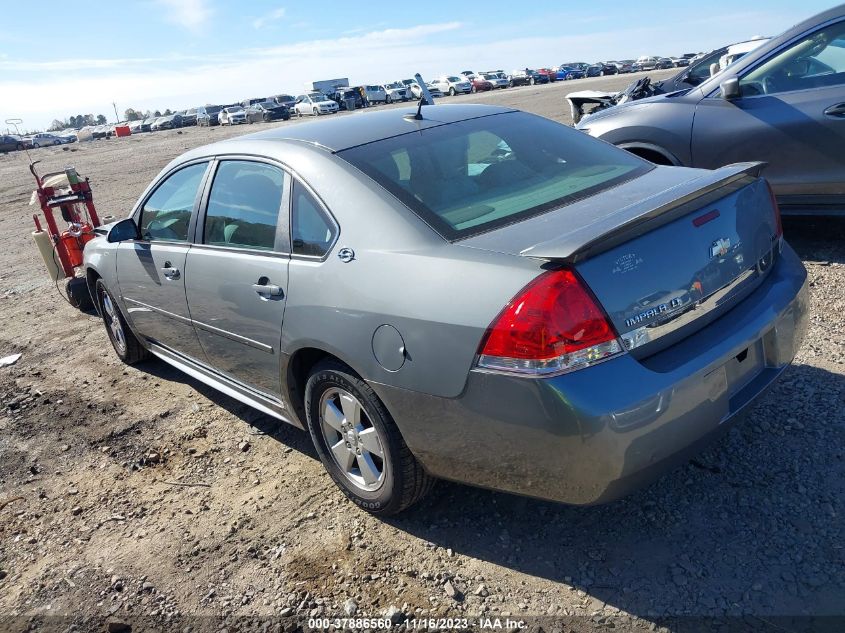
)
(783, 103)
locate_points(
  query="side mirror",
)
(730, 89)
(124, 230)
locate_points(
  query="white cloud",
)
(192, 15)
(269, 18)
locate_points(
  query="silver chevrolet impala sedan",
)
(475, 294)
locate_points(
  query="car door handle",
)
(268, 290)
(837, 111)
(169, 271)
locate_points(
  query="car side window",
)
(312, 232)
(166, 214)
(243, 205)
(816, 61)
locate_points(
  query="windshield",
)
(454, 79)
(469, 177)
(317, 96)
(395, 85)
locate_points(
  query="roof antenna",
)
(418, 116)
(425, 99)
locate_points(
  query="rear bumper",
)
(597, 434)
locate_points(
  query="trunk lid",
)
(662, 265)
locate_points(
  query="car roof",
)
(338, 134)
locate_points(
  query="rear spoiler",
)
(646, 215)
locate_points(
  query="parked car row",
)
(315, 103)
(15, 142)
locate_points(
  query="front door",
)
(151, 271)
(237, 273)
(791, 114)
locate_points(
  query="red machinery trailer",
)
(62, 250)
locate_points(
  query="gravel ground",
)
(130, 493)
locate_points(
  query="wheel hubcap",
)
(113, 323)
(353, 441)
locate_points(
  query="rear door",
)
(791, 114)
(151, 271)
(237, 275)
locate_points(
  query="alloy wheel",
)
(113, 323)
(352, 439)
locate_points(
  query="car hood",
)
(626, 107)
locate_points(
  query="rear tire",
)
(125, 344)
(341, 410)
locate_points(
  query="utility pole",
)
(116, 117)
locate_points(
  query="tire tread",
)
(416, 482)
(135, 352)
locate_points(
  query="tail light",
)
(553, 325)
(776, 210)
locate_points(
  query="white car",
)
(315, 103)
(499, 80)
(45, 139)
(735, 51)
(233, 115)
(375, 94)
(395, 91)
(452, 85)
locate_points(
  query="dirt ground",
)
(136, 495)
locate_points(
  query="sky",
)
(158, 54)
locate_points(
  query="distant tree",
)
(56, 125)
(101, 120)
(156, 113)
(167, 112)
(131, 115)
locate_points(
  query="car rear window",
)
(477, 175)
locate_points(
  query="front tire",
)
(452, 92)
(359, 443)
(316, 112)
(125, 344)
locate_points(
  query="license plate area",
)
(745, 366)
